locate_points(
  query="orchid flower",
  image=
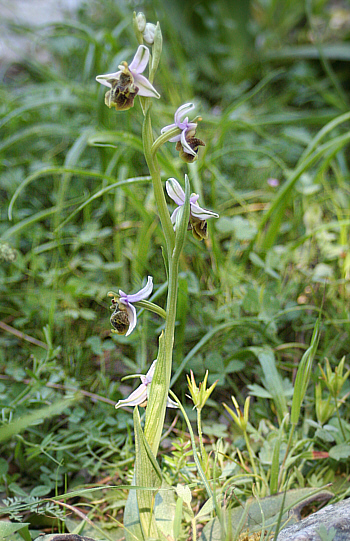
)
(139, 397)
(126, 83)
(198, 216)
(187, 144)
(124, 317)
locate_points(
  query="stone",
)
(332, 523)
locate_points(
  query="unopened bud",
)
(149, 32)
(141, 21)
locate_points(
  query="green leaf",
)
(157, 400)
(303, 375)
(164, 510)
(40, 490)
(9, 528)
(272, 380)
(147, 474)
(3, 467)
(340, 452)
(132, 524)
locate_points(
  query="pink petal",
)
(143, 293)
(168, 127)
(182, 111)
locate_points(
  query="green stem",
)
(251, 456)
(148, 305)
(194, 529)
(200, 435)
(289, 445)
(339, 418)
(164, 139)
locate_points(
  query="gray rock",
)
(332, 523)
(63, 537)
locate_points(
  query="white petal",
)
(175, 191)
(103, 79)
(144, 86)
(137, 397)
(143, 293)
(140, 60)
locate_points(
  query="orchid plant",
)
(124, 85)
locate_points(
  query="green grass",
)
(79, 220)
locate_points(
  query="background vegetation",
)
(270, 79)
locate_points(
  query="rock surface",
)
(63, 537)
(332, 523)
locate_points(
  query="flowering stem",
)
(152, 162)
(154, 424)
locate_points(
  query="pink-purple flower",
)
(187, 144)
(139, 397)
(198, 216)
(124, 318)
(126, 83)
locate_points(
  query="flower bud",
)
(200, 394)
(334, 380)
(141, 21)
(149, 32)
(241, 419)
(324, 408)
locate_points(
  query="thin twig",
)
(23, 336)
